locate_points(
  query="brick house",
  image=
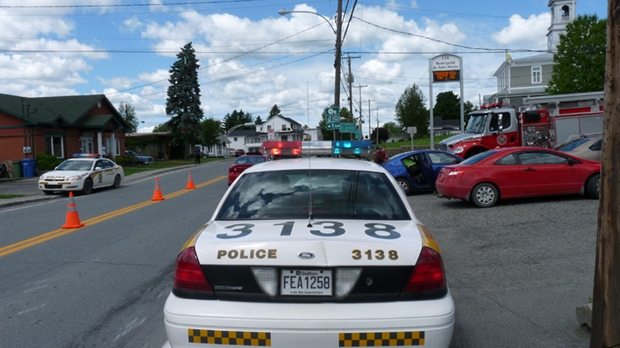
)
(60, 126)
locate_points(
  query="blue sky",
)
(252, 58)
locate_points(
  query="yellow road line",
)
(27, 243)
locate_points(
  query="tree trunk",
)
(606, 304)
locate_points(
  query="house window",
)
(117, 146)
(536, 74)
(268, 127)
(235, 139)
(54, 146)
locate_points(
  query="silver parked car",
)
(588, 147)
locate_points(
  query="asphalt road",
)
(516, 271)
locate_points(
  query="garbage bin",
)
(28, 166)
(17, 169)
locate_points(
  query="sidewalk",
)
(30, 189)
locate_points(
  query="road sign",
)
(332, 117)
(358, 135)
(347, 127)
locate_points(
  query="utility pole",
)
(350, 81)
(606, 293)
(377, 127)
(369, 132)
(360, 117)
(337, 60)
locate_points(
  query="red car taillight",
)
(454, 173)
(428, 274)
(188, 275)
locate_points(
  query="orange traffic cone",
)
(190, 182)
(157, 194)
(73, 219)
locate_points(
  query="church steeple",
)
(562, 12)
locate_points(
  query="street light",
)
(338, 32)
(284, 12)
(247, 124)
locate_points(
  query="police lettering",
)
(247, 254)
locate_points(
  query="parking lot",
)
(517, 271)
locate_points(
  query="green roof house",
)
(60, 126)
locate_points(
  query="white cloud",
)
(530, 32)
(146, 129)
(117, 82)
(131, 25)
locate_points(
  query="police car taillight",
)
(188, 275)
(429, 274)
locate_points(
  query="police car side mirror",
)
(98, 168)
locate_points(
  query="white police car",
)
(83, 172)
(311, 252)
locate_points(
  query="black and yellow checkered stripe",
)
(381, 339)
(231, 338)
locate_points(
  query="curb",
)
(40, 197)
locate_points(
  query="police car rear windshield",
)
(327, 194)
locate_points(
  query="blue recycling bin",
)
(28, 167)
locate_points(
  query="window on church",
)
(565, 11)
(536, 74)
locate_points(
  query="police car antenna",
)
(310, 190)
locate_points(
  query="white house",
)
(276, 128)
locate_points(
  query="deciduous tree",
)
(211, 130)
(580, 59)
(411, 112)
(183, 102)
(129, 114)
(448, 106)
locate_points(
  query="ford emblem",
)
(306, 255)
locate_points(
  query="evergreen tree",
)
(183, 102)
(235, 118)
(129, 114)
(275, 111)
(411, 112)
(258, 120)
(580, 59)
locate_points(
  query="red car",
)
(242, 163)
(518, 172)
(239, 152)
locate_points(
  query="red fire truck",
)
(547, 121)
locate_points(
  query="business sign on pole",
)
(358, 135)
(332, 118)
(446, 68)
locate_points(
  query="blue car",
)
(421, 177)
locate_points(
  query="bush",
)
(47, 162)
